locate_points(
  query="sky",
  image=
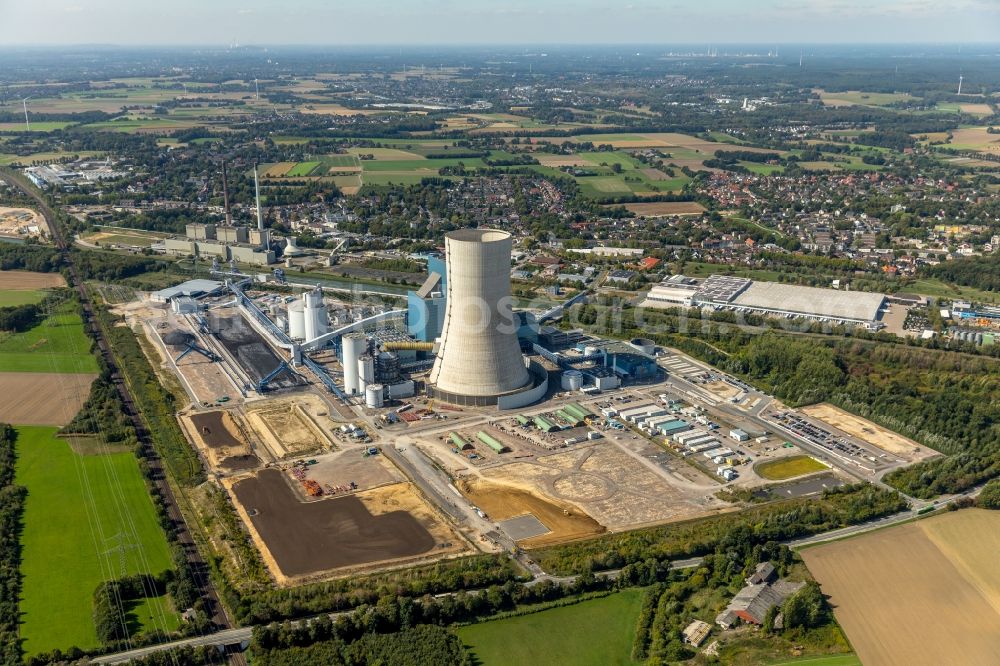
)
(463, 22)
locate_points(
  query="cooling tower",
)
(479, 356)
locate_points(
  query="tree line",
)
(12, 497)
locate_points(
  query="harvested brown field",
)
(655, 174)
(303, 538)
(26, 280)
(980, 109)
(975, 138)
(556, 161)
(867, 431)
(665, 208)
(278, 169)
(920, 593)
(501, 501)
(42, 398)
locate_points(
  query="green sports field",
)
(58, 344)
(79, 510)
(597, 632)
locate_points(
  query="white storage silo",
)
(373, 396)
(354, 345)
(315, 314)
(572, 380)
(366, 371)
(296, 321)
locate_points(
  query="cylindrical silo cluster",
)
(479, 352)
(354, 345)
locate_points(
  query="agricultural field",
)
(302, 169)
(597, 632)
(787, 468)
(857, 98)
(42, 398)
(58, 345)
(87, 519)
(975, 138)
(926, 592)
(44, 126)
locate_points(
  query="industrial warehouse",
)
(724, 292)
(356, 433)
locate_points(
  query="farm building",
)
(752, 603)
(763, 573)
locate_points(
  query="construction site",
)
(352, 436)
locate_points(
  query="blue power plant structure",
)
(425, 307)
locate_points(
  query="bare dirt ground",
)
(290, 426)
(301, 539)
(501, 501)
(867, 431)
(42, 398)
(903, 599)
(218, 436)
(341, 467)
(26, 280)
(664, 208)
(611, 486)
(14, 220)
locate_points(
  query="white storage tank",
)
(296, 321)
(354, 345)
(645, 345)
(315, 314)
(373, 396)
(366, 370)
(572, 380)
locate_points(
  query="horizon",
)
(516, 22)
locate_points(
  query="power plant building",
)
(479, 360)
(425, 307)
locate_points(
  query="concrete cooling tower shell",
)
(479, 354)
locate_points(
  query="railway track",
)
(155, 463)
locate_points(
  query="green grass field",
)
(10, 297)
(302, 169)
(77, 510)
(786, 468)
(45, 126)
(597, 632)
(58, 344)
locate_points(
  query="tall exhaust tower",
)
(479, 357)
